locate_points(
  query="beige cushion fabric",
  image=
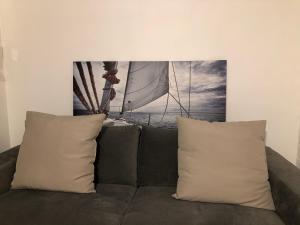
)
(58, 152)
(223, 163)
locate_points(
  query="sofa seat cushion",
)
(105, 207)
(154, 205)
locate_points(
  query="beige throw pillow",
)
(223, 163)
(58, 152)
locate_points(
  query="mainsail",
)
(146, 82)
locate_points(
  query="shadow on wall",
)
(298, 155)
(4, 130)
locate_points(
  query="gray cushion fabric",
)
(7, 170)
(8, 161)
(10, 154)
(115, 204)
(29, 207)
(154, 205)
(285, 186)
(116, 161)
(157, 157)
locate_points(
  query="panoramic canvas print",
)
(150, 92)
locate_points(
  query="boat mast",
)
(108, 91)
(125, 92)
(190, 80)
(175, 78)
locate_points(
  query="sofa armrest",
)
(8, 161)
(285, 185)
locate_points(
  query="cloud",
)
(212, 105)
(218, 90)
(218, 67)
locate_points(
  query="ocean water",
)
(156, 119)
(168, 121)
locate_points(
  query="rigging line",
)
(176, 86)
(125, 91)
(190, 78)
(90, 69)
(79, 94)
(171, 87)
(179, 103)
(165, 111)
(86, 88)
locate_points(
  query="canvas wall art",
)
(150, 92)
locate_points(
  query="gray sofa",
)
(135, 176)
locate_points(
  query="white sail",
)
(146, 82)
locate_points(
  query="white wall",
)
(298, 155)
(259, 38)
(4, 130)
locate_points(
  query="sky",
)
(207, 92)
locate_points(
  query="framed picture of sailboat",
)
(150, 93)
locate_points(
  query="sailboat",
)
(146, 82)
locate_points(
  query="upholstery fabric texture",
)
(223, 163)
(285, 185)
(114, 204)
(11, 153)
(157, 157)
(116, 161)
(36, 207)
(58, 152)
(155, 206)
(7, 168)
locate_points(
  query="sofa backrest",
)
(136, 156)
(116, 160)
(157, 157)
